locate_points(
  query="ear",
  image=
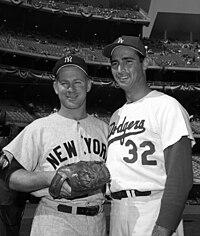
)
(89, 85)
(145, 63)
(55, 87)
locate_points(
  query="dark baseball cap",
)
(131, 41)
(68, 60)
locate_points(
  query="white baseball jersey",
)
(139, 133)
(53, 141)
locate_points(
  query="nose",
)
(70, 87)
(121, 67)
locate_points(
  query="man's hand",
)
(161, 231)
(65, 189)
(4, 162)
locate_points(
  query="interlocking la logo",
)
(68, 59)
(120, 40)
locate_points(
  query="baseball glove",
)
(83, 177)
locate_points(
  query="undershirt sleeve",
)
(178, 164)
(14, 166)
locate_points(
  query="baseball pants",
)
(48, 221)
(136, 216)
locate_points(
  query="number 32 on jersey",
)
(149, 149)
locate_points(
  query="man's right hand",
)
(4, 162)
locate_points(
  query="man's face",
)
(127, 69)
(71, 87)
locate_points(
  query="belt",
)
(123, 194)
(88, 211)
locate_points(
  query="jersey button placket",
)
(81, 137)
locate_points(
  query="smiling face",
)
(128, 69)
(71, 86)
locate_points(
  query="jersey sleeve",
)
(24, 148)
(173, 122)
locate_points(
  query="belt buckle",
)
(88, 211)
(93, 210)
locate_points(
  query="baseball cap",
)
(131, 41)
(70, 59)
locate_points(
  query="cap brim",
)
(107, 51)
(71, 65)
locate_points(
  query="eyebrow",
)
(124, 58)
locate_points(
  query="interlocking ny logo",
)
(120, 40)
(68, 59)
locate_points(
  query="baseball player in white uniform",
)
(64, 137)
(149, 150)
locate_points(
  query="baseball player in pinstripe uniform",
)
(64, 137)
(149, 150)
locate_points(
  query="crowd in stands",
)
(76, 7)
(163, 53)
(49, 47)
(174, 53)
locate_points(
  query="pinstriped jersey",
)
(53, 141)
